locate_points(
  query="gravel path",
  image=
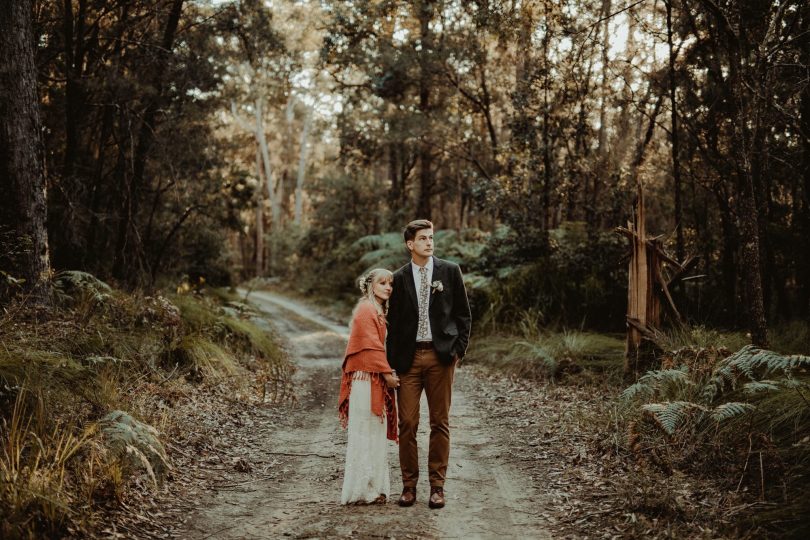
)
(301, 449)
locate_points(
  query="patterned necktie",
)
(423, 304)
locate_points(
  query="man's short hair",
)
(414, 227)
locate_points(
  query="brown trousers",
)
(437, 381)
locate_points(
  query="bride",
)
(367, 405)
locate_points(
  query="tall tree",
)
(22, 178)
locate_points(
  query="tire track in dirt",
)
(486, 496)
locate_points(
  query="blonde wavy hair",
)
(366, 282)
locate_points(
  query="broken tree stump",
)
(648, 289)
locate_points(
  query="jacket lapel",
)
(407, 276)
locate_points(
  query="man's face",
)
(422, 244)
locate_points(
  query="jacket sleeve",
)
(393, 316)
(461, 313)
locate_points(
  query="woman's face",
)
(382, 287)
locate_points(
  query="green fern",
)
(135, 445)
(731, 409)
(761, 386)
(69, 283)
(754, 362)
(373, 242)
(536, 354)
(475, 281)
(671, 414)
(652, 382)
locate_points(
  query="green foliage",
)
(712, 416)
(754, 362)
(677, 337)
(658, 383)
(791, 337)
(576, 280)
(73, 286)
(62, 372)
(546, 355)
(386, 250)
(671, 414)
(135, 445)
(731, 409)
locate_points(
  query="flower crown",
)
(365, 283)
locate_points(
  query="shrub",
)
(743, 418)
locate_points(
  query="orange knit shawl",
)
(366, 352)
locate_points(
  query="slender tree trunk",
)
(302, 170)
(602, 150)
(128, 245)
(271, 187)
(728, 263)
(747, 208)
(74, 56)
(803, 255)
(259, 214)
(547, 161)
(423, 207)
(395, 194)
(680, 250)
(89, 251)
(22, 170)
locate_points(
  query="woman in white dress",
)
(367, 405)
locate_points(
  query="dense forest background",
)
(155, 154)
(224, 140)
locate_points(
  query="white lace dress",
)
(365, 476)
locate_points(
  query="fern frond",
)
(730, 410)
(476, 281)
(671, 414)
(134, 444)
(70, 281)
(385, 258)
(754, 362)
(379, 241)
(652, 381)
(760, 386)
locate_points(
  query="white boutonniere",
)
(436, 286)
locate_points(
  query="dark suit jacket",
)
(449, 315)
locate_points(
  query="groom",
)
(429, 327)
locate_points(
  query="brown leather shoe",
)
(436, 497)
(408, 496)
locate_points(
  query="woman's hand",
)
(391, 380)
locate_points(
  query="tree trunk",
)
(259, 214)
(22, 175)
(271, 187)
(643, 306)
(803, 255)
(302, 169)
(680, 249)
(747, 208)
(547, 161)
(423, 207)
(128, 243)
(728, 264)
(601, 170)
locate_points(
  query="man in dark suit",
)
(428, 331)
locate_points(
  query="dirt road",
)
(300, 448)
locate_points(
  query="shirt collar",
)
(429, 265)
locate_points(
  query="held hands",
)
(391, 380)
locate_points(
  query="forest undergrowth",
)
(713, 443)
(91, 390)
